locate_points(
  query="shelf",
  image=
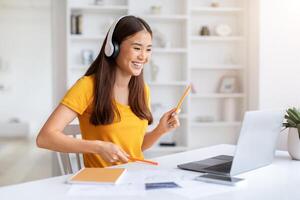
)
(219, 95)
(86, 37)
(217, 67)
(215, 124)
(164, 17)
(217, 38)
(107, 8)
(169, 50)
(169, 83)
(216, 10)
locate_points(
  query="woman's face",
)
(135, 52)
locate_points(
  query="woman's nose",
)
(142, 55)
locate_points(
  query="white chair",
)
(70, 162)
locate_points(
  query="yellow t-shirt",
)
(128, 133)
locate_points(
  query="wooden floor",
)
(22, 161)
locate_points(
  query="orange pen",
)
(186, 92)
(145, 161)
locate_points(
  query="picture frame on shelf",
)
(228, 84)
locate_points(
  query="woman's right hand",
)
(111, 152)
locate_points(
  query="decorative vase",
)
(229, 110)
(204, 31)
(154, 71)
(294, 144)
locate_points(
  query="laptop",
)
(255, 148)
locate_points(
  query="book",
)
(98, 176)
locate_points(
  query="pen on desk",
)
(145, 161)
(186, 92)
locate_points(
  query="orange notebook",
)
(97, 176)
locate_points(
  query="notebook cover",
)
(98, 175)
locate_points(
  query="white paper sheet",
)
(107, 190)
(133, 184)
(196, 189)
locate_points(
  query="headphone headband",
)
(109, 46)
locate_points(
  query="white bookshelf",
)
(217, 67)
(216, 38)
(216, 10)
(169, 50)
(100, 8)
(215, 124)
(188, 58)
(169, 83)
(218, 95)
(86, 37)
(216, 56)
(165, 17)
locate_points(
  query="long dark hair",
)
(104, 70)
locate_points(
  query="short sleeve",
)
(148, 96)
(80, 95)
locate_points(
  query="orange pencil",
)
(145, 161)
(186, 92)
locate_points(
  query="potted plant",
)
(292, 121)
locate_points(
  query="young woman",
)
(111, 102)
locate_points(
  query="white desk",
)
(278, 181)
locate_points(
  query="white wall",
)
(279, 55)
(253, 54)
(25, 47)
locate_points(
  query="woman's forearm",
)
(58, 141)
(151, 137)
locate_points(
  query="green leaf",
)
(287, 125)
(292, 123)
(296, 113)
(293, 115)
(286, 117)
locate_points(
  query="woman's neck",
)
(122, 79)
(121, 90)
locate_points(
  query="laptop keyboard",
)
(223, 168)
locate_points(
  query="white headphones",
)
(111, 49)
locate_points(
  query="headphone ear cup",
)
(116, 50)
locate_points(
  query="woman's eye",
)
(149, 50)
(136, 48)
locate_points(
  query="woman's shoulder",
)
(86, 81)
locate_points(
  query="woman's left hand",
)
(169, 121)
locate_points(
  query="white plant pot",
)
(294, 144)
